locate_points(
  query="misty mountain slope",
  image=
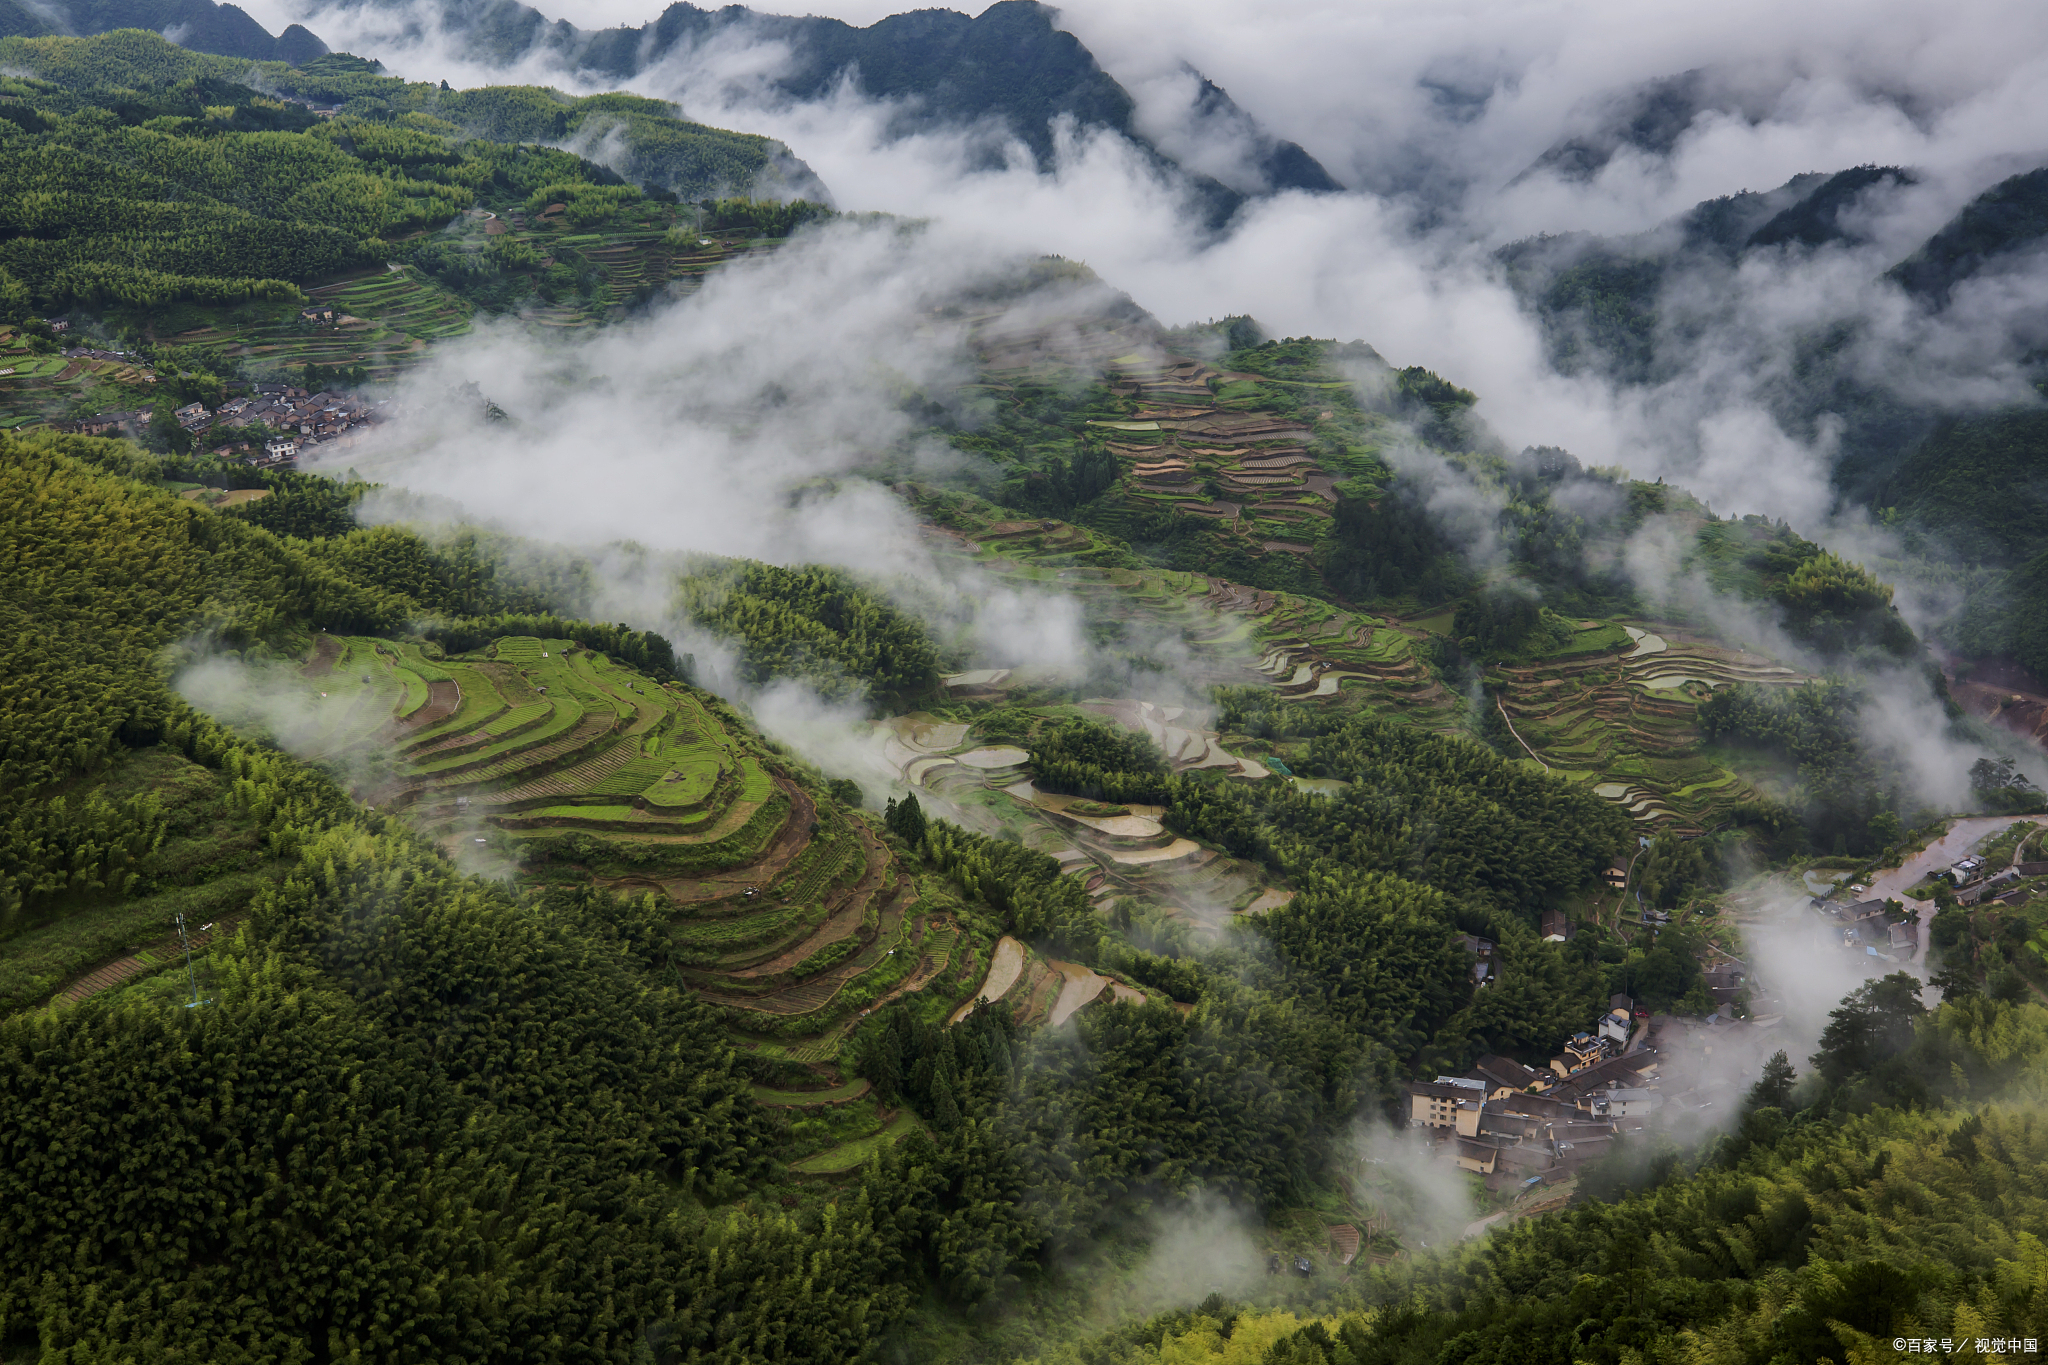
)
(1976, 489)
(1651, 119)
(1008, 65)
(2001, 229)
(247, 199)
(1599, 298)
(224, 30)
(1982, 481)
(1689, 308)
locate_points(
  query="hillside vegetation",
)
(138, 175)
(713, 913)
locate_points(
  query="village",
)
(1860, 920)
(1518, 1125)
(288, 420)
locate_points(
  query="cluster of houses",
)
(1516, 1124)
(302, 420)
(113, 422)
(1864, 927)
(316, 417)
(1867, 928)
(1511, 1118)
(1973, 887)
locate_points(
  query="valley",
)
(611, 753)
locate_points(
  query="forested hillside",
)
(355, 951)
(137, 173)
(1634, 309)
(419, 941)
(1822, 1241)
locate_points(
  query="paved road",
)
(1892, 884)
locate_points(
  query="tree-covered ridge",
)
(103, 573)
(691, 159)
(820, 625)
(135, 172)
(2009, 218)
(1444, 811)
(1848, 794)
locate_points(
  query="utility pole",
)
(190, 980)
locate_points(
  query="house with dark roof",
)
(1504, 1075)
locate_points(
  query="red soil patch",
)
(444, 698)
(325, 651)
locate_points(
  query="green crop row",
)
(415, 691)
(480, 702)
(695, 782)
(519, 717)
(755, 784)
(749, 931)
(566, 714)
(631, 779)
(619, 856)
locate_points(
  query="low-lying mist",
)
(1436, 120)
(734, 422)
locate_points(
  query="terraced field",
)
(988, 786)
(785, 910)
(1243, 453)
(1612, 708)
(389, 316)
(36, 388)
(1622, 720)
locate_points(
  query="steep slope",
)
(1646, 309)
(1997, 230)
(1650, 120)
(1009, 64)
(142, 176)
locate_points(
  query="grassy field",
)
(849, 1156)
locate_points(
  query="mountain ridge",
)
(221, 30)
(1010, 64)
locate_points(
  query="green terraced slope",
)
(785, 910)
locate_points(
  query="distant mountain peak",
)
(222, 30)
